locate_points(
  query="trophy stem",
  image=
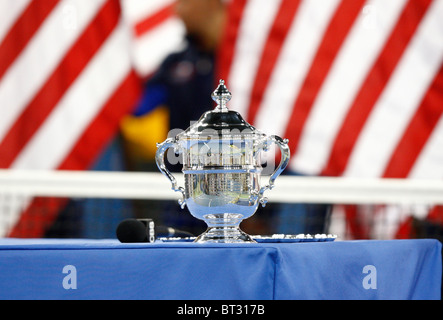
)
(224, 228)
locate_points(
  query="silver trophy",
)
(221, 157)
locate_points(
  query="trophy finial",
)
(221, 96)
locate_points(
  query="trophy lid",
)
(221, 122)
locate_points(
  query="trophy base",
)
(224, 228)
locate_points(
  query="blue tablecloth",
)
(107, 269)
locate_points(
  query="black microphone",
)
(133, 230)
(144, 230)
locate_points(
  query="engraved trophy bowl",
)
(221, 157)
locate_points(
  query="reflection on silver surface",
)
(222, 199)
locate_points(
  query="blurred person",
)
(180, 90)
(177, 93)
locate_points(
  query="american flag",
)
(69, 71)
(356, 86)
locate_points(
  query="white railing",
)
(149, 185)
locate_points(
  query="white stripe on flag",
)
(79, 106)
(397, 104)
(12, 205)
(39, 59)
(151, 48)
(14, 10)
(137, 10)
(248, 50)
(429, 163)
(290, 71)
(345, 78)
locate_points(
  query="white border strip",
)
(147, 185)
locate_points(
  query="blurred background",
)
(91, 87)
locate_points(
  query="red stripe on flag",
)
(154, 20)
(406, 229)
(418, 131)
(436, 215)
(104, 126)
(336, 33)
(225, 54)
(274, 43)
(374, 84)
(59, 82)
(357, 228)
(22, 31)
(32, 223)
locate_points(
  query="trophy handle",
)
(285, 154)
(160, 160)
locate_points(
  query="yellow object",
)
(142, 133)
